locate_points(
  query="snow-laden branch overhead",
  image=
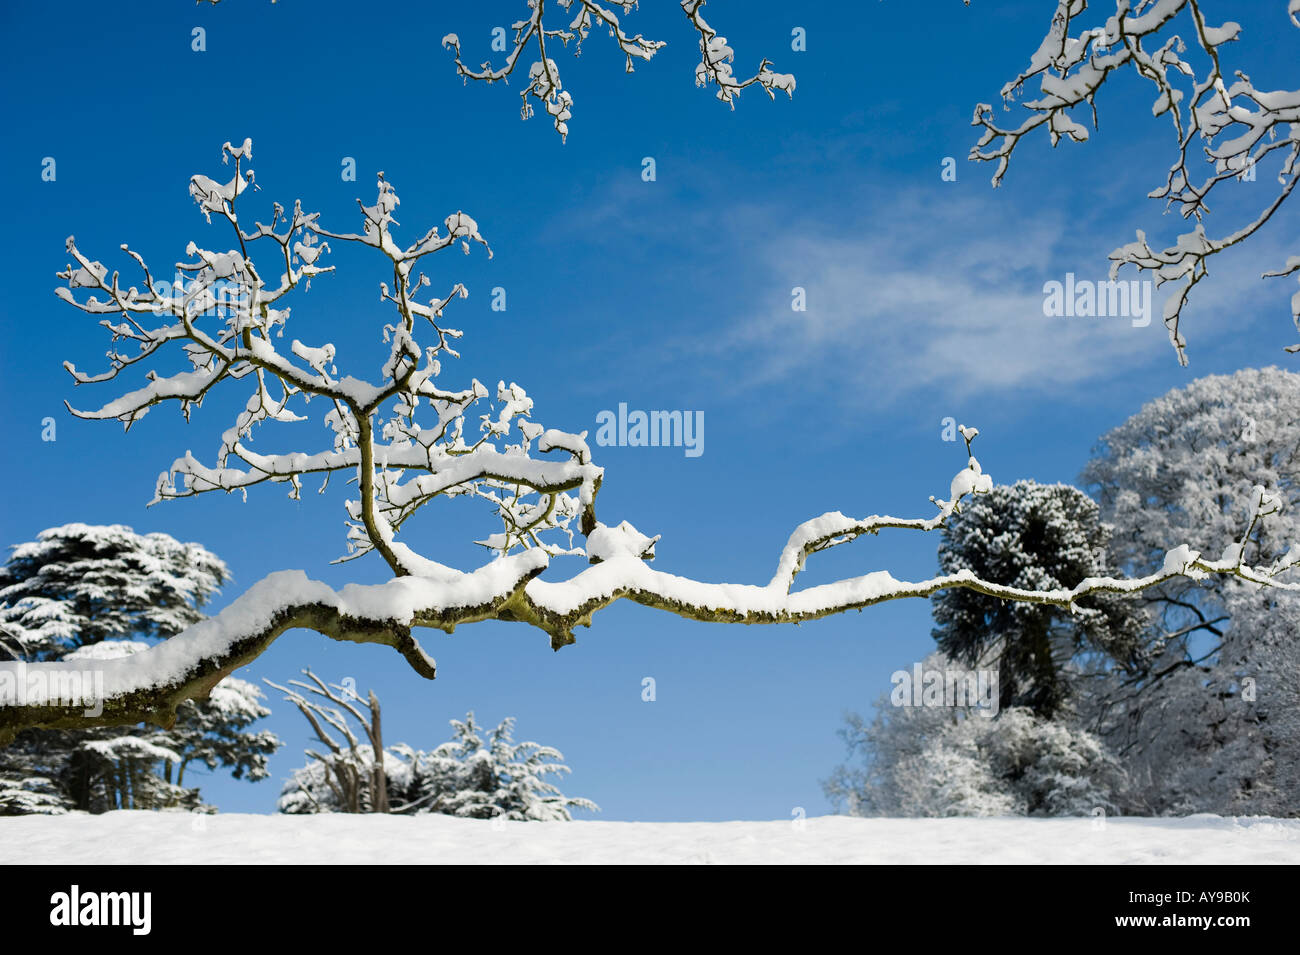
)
(543, 81)
(1223, 119)
(403, 440)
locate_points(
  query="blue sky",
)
(924, 301)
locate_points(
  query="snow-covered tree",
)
(71, 595)
(952, 761)
(1223, 734)
(1183, 722)
(79, 584)
(406, 440)
(1191, 459)
(347, 777)
(1194, 458)
(25, 789)
(1034, 537)
(1225, 125)
(471, 775)
(494, 776)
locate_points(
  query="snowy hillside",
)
(153, 837)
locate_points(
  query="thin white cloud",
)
(950, 297)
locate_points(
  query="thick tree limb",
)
(150, 685)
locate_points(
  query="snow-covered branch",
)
(149, 685)
(544, 84)
(1237, 124)
(716, 59)
(399, 464)
(226, 311)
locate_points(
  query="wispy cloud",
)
(949, 296)
(921, 291)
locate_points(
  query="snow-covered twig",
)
(544, 84)
(1237, 125)
(716, 59)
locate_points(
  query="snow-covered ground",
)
(144, 837)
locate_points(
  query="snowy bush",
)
(949, 761)
(486, 778)
(473, 775)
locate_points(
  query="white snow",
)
(168, 838)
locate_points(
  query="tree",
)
(467, 776)
(951, 761)
(349, 777)
(1236, 125)
(1192, 459)
(1222, 735)
(78, 584)
(226, 319)
(1033, 537)
(1183, 723)
(71, 595)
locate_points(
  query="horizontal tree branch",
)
(148, 686)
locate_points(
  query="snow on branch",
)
(403, 440)
(403, 435)
(150, 684)
(716, 58)
(544, 85)
(1236, 124)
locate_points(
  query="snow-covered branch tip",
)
(544, 85)
(1236, 124)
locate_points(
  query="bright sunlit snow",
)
(338, 839)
